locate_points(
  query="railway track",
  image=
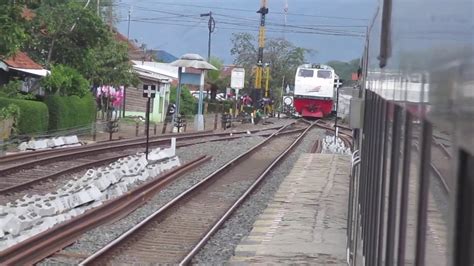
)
(56, 238)
(44, 244)
(19, 179)
(440, 163)
(24, 160)
(174, 233)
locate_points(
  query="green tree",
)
(12, 31)
(109, 64)
(187, 102)
(65, 81)
(214, 78)
(282, 56)
(68, 33)
(63, 33)
(345, 69)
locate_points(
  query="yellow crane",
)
(263, 11)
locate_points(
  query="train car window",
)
(306, 73)
(324, 74)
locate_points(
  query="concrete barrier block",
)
(91, 173)
(156, 155)
(45, 209)
(144, 175)
(15, 224)
(20, 209)
(62, 203)
(60, 218)
(151, 169)
(50, 143)
(129, 180)
(69, 140)
(74, 145)
(23, 146)
(115, 175)
(40, 144)
(58, 142)
(31, 144)
(141, 158)
(48, 222)
(84, 196)
(102, 182)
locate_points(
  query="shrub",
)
(12, 90)
(187, 103)
(69, 112)
(65, 81)
(33, 116)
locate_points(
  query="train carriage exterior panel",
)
(418, 132)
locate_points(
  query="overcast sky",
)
(328, 27)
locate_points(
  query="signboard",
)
(237, 78)
(149, 91)
(191, 78)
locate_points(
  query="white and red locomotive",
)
(315, 88)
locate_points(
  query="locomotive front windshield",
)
(306, 73)
(324, 74)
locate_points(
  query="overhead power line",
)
(248, 10)
(240, 28)
(250, 26)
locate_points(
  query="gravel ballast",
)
(222, 244)
(221, 153)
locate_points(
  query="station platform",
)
(306, 221)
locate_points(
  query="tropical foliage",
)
(12, 31)
(65, 81)
(345, 69)
(214, 78)
(282, 56)
(187, 102)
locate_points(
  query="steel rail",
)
(137, 140)
(242, 198)
(77, 168)
(317, 146)
(109, 247)
(29, 154)
(437, 173)
(46, 243)
(92, 149)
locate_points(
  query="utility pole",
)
(261, 44)
(211, 24)
(98, 8)
(128, 40)
(286, 14)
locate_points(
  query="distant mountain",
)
(163, 56)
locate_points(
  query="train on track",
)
(411, 200)
(315, 90)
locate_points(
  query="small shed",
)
(22, 67)
(150, 73)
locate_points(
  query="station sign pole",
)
(149, 92)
